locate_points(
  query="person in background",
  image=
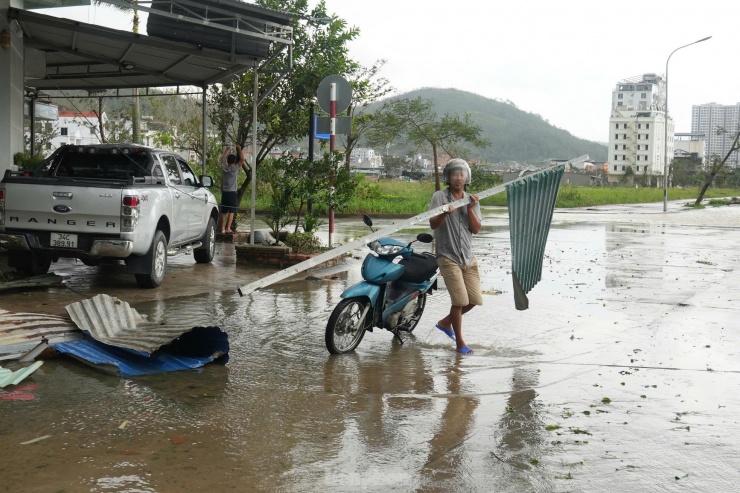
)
(453, 234)
(230, 165)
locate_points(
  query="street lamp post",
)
(666, 163)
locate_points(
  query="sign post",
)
(334, 96)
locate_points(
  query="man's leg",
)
(229, 219)
(223, 222)
(447, 321)
(454, 320)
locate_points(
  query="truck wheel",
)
(29, 263)
(158, 264)
(205, 253)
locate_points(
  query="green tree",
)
(180, 121)
(44, 133)
(686, 172)
(367, 88)
(417, 120)
(628, 176)
(393, 165)
(717, 165)
(481, 179)
(294, 181)
(319, 50)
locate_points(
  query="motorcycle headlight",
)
(385, 249)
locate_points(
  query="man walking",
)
(453, 234)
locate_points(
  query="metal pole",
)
(203, 137)
(347, 247)
(666, 163)
(332, 137)
(255, 93)
(32, 112)
(311, 133)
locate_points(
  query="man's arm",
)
(436, 221)
(240, 156)
(473, 220)
(225, 153)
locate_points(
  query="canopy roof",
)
(198, 51)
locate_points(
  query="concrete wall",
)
(11, 90)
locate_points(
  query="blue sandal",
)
(448, 332)
(465, 350)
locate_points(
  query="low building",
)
(691, 146)
(77, 127)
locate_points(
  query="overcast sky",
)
(560, 59)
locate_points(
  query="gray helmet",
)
(456, 163)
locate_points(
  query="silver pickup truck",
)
(94, 202)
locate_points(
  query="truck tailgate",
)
(63, 208)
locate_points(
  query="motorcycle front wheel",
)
(346, 326)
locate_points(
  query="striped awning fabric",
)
(531, 203)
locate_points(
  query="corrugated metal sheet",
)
(257, 27)
(121, 341)
(20, 332)
(8, 377)
(192, 350)
(112, 321)
(531, 204)
(86, 56)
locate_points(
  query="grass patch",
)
(411, 198)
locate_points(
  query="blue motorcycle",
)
(392, 296)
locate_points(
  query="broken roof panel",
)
(9, 377)
(114, 322)
(121, 341)
(20, 332)
(192, 350)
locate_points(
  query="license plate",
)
(63, 240)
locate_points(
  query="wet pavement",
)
(621, 376)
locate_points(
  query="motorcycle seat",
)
(419, 268)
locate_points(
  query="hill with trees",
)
(515, 135)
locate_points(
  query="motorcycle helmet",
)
(454, 164)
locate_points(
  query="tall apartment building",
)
(707, 119)
(636, 129)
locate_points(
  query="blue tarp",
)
(192, 349)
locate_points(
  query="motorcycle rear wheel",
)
(421, 302)
(346, 326)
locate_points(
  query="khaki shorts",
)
(463, 283)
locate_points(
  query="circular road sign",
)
(344, 93)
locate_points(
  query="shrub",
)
(25, 161)
(303, 243)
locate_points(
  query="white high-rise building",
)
(710, 119)
(636, 129)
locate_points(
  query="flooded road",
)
(621, 376)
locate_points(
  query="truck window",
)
(188, 177)
(96, 163)
(173, 172)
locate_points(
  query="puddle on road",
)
(284, 415)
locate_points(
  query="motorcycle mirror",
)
(425, 238)
(366, 219)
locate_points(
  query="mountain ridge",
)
(515, 135)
